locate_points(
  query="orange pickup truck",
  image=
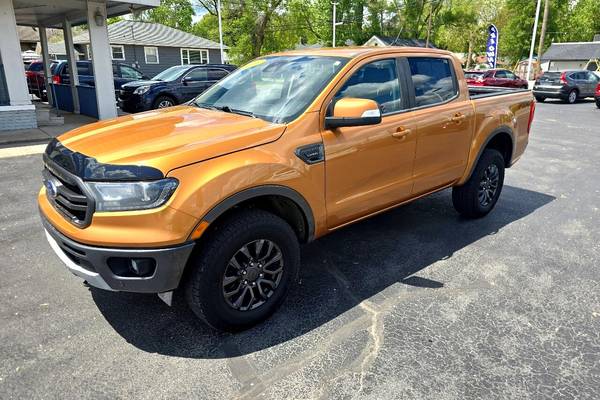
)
(215, 197)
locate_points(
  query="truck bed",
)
(477, 92)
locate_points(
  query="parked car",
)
(566, 85)
(35, 78)
(597, 95)
(175, 85)
(122, 74)
(473, 76)
(498, 78)
(215, 197)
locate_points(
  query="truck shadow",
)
(338, 272)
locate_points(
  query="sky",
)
(199, 13)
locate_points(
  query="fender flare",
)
(498, 131)
(265, 190)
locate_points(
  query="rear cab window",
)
(433, 80)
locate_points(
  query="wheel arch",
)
(281, 200)
(501, 139)
(165, 94)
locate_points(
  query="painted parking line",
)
(22, 151)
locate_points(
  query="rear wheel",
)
(572, 97)
(243, 270)
(478, 196)
(598, 102)
(163, 102)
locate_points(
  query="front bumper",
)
(92, 263)
(133, 103)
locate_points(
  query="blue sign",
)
(491, 49)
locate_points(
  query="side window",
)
(376, 81)
(84, 69)
(432, 79)
(199, 74)
(115, 70)
(130, 73)
(215, 74)
(501, 74)
(510, 75)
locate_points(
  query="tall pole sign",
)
(492, 46)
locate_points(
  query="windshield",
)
(170, 74)
(277, 89)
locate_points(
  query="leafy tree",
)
(174, 13)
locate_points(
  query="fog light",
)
(132, 267)
(142, 266)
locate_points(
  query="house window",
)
(151, 55)
(117, 52)
(193, 56)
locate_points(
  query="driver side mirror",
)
(186, 80)
(353, 112)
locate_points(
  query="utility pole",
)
(535, 24)
(220, 31)
(543, 32)
(334, 22)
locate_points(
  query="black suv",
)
(173, 86)
(567, 85)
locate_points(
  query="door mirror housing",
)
(353, 112)
(186, 80)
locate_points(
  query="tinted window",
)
(432, 79)
(510, 75)
(82, 69)
(36, 67)
(199, 74)
(130, 73)
(501, 74)
(376, 81)
(214, 74)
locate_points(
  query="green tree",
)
(174, 13)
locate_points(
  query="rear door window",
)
(215, 74)
(376, 81)
(433, 80)
(501, 74)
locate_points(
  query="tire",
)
(467, 198)
(212, 263)
(540, 99)
(598, 103)
(163, 102)
(572, 97)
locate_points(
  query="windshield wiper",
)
(228, 109)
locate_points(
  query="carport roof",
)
(572, 51)
(150, 34)
(53, 13)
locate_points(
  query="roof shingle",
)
(150, 34)
(572, 51)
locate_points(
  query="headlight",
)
(141, 89)
(125, 196)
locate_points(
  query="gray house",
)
(572, 55)
(149, 46)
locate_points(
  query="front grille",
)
(65, 193)
(124, 95)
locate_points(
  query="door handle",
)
(401, 133)
(458, 118)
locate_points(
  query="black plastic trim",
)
(311, 153)
(338, 122)
(500, 130)
(265, 190)
(170, 262)
(89, 169)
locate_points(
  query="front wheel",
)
(163, 102)
(243, 270)
(598, 102)
(478, 196)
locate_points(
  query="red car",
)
(597, 96)
(495, 77)
(35, 79)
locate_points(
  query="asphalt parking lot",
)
(416, 303)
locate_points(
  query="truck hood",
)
(169, 138)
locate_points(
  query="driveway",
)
(416, 303)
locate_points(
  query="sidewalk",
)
(43, 134)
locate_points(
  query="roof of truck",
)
(351, 52)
